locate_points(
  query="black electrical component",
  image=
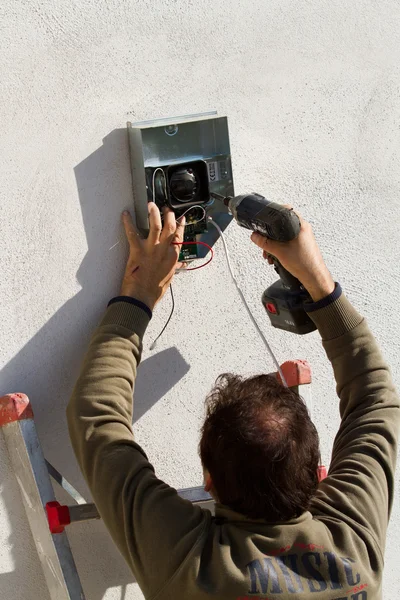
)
(179, 186)
(184, 187)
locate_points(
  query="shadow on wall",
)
(47, 367)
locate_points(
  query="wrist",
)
(139, 294)
(320, 289)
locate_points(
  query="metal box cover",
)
(179, 140)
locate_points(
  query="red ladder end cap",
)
(296, 372)
(58, 516)
(14, 407)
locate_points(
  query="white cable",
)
(190, 208)
(243, 299)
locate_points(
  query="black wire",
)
(169, 318)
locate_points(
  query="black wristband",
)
(130, 300)
(311, 306)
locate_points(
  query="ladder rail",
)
(36, 490)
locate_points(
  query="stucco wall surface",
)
(312, 92)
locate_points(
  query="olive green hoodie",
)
(180, 551)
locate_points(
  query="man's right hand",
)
(302, 258)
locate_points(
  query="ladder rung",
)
(195, 494)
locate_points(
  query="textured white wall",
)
(311, 88)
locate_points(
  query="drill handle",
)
(289, 280)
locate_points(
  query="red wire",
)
(192, 244)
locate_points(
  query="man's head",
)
(260, 448)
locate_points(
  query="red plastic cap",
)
(322, 472)
(296, 372)
(58, 516)
(14, 407)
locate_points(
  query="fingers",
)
(269, 247)
(168, 282)
(261, 241)
(130, 230)
(180, 266)
(154, 223)
(268, 257)
(180, 230)
(169, 228)
(173, 230)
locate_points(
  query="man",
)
(276, 533)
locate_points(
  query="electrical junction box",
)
(178, 162)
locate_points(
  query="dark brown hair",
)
(260, 447)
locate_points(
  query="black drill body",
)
(284, 299)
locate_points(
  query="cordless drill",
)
(284, 299)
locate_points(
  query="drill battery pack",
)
(285, 308)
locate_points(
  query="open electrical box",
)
(179, 162)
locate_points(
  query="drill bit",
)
(224, 199)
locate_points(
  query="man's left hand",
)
(152, 261)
